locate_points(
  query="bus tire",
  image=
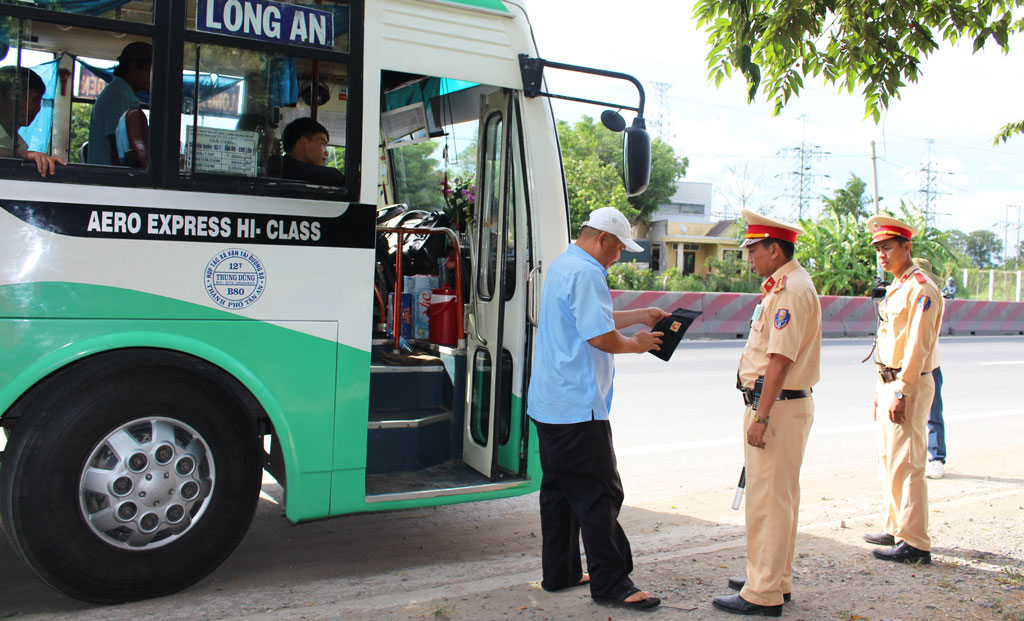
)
(131, 474)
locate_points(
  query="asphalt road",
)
(690, 406)
(677, 432)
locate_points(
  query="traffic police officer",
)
(777, 369)
(907, 341)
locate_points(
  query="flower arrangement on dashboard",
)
(459, 198)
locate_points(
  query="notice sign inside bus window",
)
(222, 151)
(267, 21)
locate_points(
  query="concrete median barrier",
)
(727, 315)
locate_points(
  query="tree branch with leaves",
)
(876, 46)
(592, 156)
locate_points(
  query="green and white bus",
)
(175, 326)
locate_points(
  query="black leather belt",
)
(784, 395)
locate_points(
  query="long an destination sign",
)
(268, 21)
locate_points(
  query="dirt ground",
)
(482, 561)
(685, 552)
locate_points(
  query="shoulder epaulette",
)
(921, 278)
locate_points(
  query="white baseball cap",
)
(611, 220)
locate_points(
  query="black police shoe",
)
(904, 553)
(880, 539)
(736, 584)
(739, 606)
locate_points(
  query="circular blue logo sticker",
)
(235, 278)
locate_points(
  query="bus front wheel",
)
(129, 475)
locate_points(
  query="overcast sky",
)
(948, 117)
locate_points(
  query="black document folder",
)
(674, 326)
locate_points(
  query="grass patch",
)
(1012, 575)
(1008, 612)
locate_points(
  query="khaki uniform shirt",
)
(908, 335)
(786, 322)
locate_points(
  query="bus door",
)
(495, 335)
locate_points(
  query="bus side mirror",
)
(636, 157)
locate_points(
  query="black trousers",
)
(581, 492)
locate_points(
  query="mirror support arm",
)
(532, 70)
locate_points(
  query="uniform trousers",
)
(904, 452)
(581, 492)
(773, 499)
(936, 425)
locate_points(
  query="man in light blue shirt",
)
(569, 399)
(131, 76)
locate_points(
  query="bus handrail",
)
(396, 309)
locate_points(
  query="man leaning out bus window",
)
(21, 91)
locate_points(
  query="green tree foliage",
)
(1016, 261)
(593, 184)
(956, 241)
(80, 114)
(666, 169)
(590, 140)
(876, 46)
(465, 165)
(417, 176)
(629, 277)
(849, 200)
(984, 248)
(929, 243)
(725, 276)
(836, 250)
(730, 275)
(674, 280)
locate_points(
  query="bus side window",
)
(239, 103)
(26, 95)
(75, 67)
(129, 85)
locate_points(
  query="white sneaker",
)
(935, 469)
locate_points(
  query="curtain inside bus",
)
(424, 91)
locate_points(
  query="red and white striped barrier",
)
(727, 315)
(977, 317)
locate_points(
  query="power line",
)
(929, 175)
(1007, 224)
(662, 117)
(804, 177)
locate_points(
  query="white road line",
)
(815, 433)
(989, 364)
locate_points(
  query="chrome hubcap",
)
(146, 483)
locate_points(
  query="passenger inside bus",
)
(132, 139)
(21, 90)
(131, 76)
(305, 152)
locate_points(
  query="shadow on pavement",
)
(482, 560)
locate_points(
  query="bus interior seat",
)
(275, 163)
